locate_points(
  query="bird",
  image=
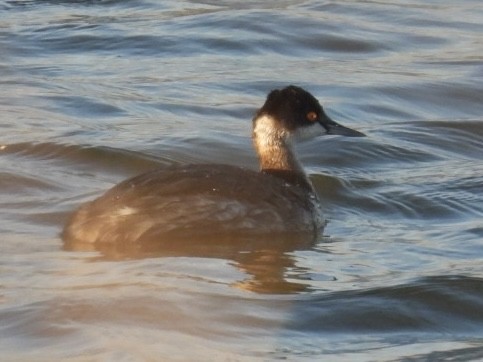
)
(205, 201)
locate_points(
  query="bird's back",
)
(193, 201)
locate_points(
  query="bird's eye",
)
(312, 116)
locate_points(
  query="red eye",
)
(312, 116)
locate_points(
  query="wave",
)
(441, 304)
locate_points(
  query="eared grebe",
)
(192, 201)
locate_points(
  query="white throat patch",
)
(308, 132)
(267, 131)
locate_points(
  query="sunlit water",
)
(93, 92)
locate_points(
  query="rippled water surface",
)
(93, 92)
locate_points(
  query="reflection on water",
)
(264, 259)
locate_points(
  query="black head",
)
(296, 109)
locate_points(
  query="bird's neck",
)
(275, 151)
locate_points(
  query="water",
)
(93, 92)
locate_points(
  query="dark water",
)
(93, 92)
